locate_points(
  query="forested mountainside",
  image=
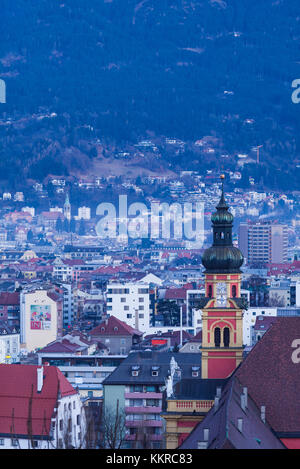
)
(113, 72)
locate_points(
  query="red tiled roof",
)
(52, 215)
(264, 322)
(113, 326)
(61, 347)
(18, 385)
(175, 293)
(197, 337)
(272, 378)
(7, 298)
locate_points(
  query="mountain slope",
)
(171, 67)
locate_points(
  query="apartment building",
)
(138, 387)
(40, 317)
(130, 303)
(264, 242)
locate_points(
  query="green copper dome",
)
(222, 256)
(221, 259)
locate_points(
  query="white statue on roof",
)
(170, 379)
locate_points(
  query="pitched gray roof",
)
(146, 360)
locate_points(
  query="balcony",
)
(149, 437)
(143, 395)
(144, 423)
(189, 406)
(143, 410)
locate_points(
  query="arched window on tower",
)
(233, 291)
(226, 337)
(222, 235)
(209, 291)
(217, 334)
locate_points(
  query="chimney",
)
(263, 413)
(216, 403)
(206, 434)
(245, 391)
(243, 401)
(240, 425)
(40, 378)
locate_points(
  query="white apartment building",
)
(40, 319)
(62, 270)
(9, 344)
(129, 302)
(249, 319)
(84, 213)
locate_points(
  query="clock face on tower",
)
(221, 295)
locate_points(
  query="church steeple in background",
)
(67, 208)
(222, 255)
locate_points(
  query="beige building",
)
(40, 318)
(264, 242)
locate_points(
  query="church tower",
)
(222, 307)
(67, 208)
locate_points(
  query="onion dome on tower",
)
(222, 256)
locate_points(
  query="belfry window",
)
(226, 337)
(210, 291)
(217, 334)
(233, 291)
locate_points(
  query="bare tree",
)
(113, 427)
(276, 300)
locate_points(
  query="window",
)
(1, 441)
(210, 291)
(136, 402)
(129, 316)
(151, 389)
(141, 308)
(126, 308)
(14, 442)
(217, 335)
(78, 419)
(233, 291)
(141, 299)
(226, 336)
(123, 300)
(141, 316)
(136, 388)
(152, 402)
(154, 373)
